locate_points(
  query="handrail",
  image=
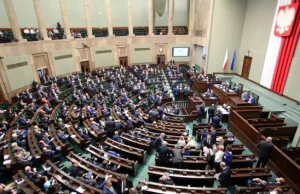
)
(279, 161)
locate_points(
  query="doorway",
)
(246, 67)
(161, 59)
(123, 61)
(43, 73)
(85, 67)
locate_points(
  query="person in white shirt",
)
(190, 142)
(1, 34)
(26, 31)
(50, 34)
(181, 141)
(55, 31)
(218, 157)
(32, 31)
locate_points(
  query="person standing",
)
(164, 154)
(124, 184)
(211, 112)
(265, 149)
(225, 176)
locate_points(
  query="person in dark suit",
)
(176, 92)
(117, 137)
(265, 149)
(108, 188)
(208, 142)
(74, 170)
(123, 185)
(158, 141)
(164, 154)
(110, 127)
(216, 122)
(211, 112)
(177, 158)
(225, 175)
(251, 99)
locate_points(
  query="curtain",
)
(272, 51)
(285, 57)
(160, 6)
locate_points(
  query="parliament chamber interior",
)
(149, 96)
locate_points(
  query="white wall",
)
(98, 13)
(163, 20)
(25, 13)
(226, 32)
(139, 13)
(51, 11)
(180, 13)
(293, 80)
(20, 76)
(75, 13)
(4, 23)
(119, 13)
(255, 37)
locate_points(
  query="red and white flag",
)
(225, 60)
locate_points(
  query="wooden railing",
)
(181, 105)
(280, 163)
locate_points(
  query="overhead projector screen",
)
(181, 51)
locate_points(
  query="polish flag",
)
(225, 60)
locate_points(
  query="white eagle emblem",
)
(285, 19)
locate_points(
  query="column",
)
(192, 16)
(65, 19)
(109, 20)
(13, 20)
(171, 14)
(88, 19)
(130, 26)
(40, 19)
(150, 17)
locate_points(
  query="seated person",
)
(108, 166)
(80, 176)
(258, 182)
(186, 151)
(251, 99)
(165, 179)
(117, 138)
(246, 96)
(112, 152)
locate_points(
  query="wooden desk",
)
(183, 177)
(227, 97)
(156, 188)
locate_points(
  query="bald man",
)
(265, 149)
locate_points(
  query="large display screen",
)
(181, 51)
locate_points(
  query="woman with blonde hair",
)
(190, 142)
(181, 141)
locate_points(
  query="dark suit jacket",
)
(265, 149)
(164, 154)
(225, 177)
(128, 186)
(157, 143)
(108, 191)
(205, 143)
(74, 171)
(110, 126)
(177, 156)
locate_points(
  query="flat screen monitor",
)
(181, 51)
